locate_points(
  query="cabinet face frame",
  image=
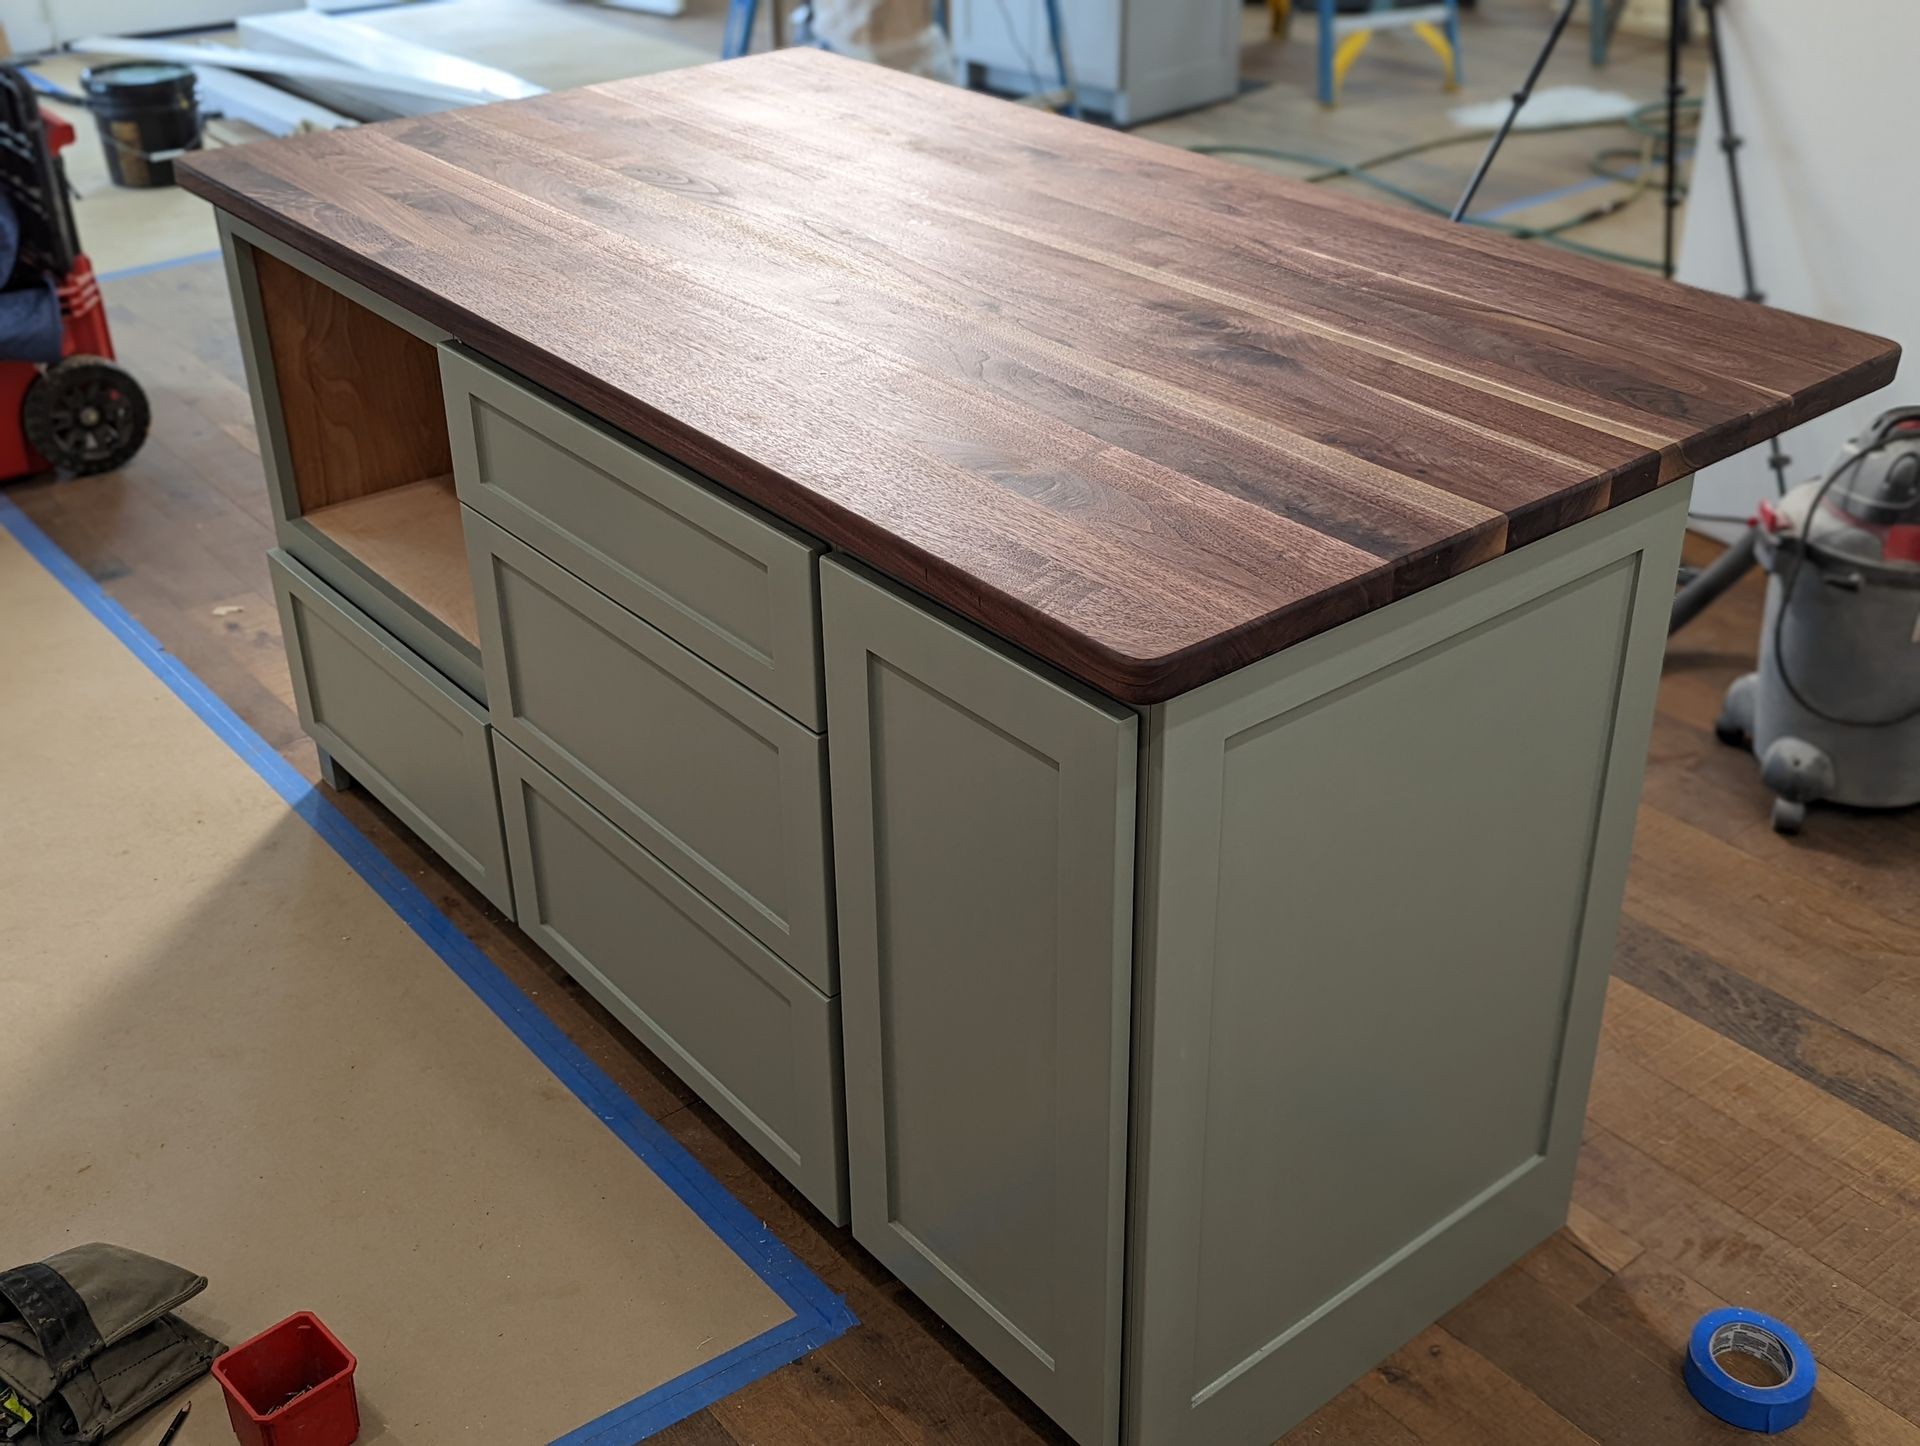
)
(1027, 1070)
(432, 639)
(1629, 555)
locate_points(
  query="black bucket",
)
(147, 113)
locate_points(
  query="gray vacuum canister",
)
(1833, 711)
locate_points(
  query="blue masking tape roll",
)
(1765, 1341)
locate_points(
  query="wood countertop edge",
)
(1132, 679)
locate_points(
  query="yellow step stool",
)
(1344, 36)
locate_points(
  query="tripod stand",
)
(1730, 143)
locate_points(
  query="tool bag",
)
(88, 1341)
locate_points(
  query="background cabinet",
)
(1129, 59)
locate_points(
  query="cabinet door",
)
(983, 843)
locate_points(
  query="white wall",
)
(1825, 96)
(27, 26)
(41, 24)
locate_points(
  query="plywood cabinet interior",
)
(363, 427)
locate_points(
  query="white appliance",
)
(1132, 60)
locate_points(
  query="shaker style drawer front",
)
(729, 582)
(418, 743)
(728, 791)
(758, 1043)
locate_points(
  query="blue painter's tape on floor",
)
(819, 1315)
(167, 265)
(1578, 188)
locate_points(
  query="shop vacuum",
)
(1833, 710)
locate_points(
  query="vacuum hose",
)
(1727, 569)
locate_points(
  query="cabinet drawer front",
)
(718, 783)
(983, 835)
(729, 582)
(417, 742)
(759, 1043)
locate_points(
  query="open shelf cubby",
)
(366, 440)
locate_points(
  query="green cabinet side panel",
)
(984, 846)
(711, 572)
(755, 1040)
(1383, 874)
(414, 740)
(725, 788)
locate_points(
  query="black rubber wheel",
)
(85, 415)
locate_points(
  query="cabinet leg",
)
(332, 774)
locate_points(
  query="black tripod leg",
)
(1730, 144)
(1513, 114)
(1727, 569)
(1676, 31)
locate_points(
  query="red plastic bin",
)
(291, 1385)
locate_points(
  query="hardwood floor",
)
(1754, 1129)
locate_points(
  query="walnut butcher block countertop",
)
(1149, 415)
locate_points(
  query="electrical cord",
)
(1791, 579)
(1040, 87)
(1647, 121)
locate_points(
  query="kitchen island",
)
(1089, 700)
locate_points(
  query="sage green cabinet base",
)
(1364, 940)
(1195, 1057)
(333, 772)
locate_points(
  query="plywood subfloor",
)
(229, 1051)
(411, 536)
